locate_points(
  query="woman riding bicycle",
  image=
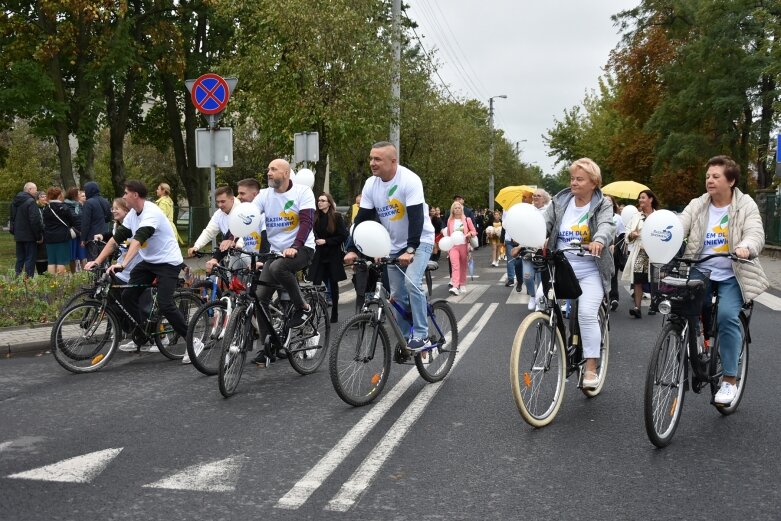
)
(581, 213)
(725, 219)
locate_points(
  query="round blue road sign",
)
(210, 94)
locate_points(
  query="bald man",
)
(289, 209)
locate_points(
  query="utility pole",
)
(491, 150)
(395, 130)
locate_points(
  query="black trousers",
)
(167, 278)
(25, 257)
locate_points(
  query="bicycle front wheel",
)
(360, 360)
(665, 385)
(238, 337)
(168, 341)
(604, 352)
(84, 337)
(717, 371)
(538, 369)
(434, 364)
(208, 325)
(309, 346)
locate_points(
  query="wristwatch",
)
(410, 250)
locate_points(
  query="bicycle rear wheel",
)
(434, 364)
(308, 348)
(604, 353)
(716, 370)
(207, 325)
(84, 337)
(665, 385)
(238, 336)
(168, 341)
(360, 360)
(538, 369)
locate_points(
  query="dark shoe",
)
(299, 318)
(635, 312)
(261, 360)
(334, 316)
(509, 283)
(519, 286)
(613, 305)
(417, 345)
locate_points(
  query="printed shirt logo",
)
(394, 210)
(579, 231)
(717, 237)
(286, 221)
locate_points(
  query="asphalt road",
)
(148, 438)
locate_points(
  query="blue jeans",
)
(508, 246)
(730, 338)
(525, 270)
(410, 287)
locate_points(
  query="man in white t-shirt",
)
(395, 195)
(289, 209)
(247, 190)
(152, 238)
(218, 223)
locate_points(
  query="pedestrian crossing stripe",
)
(217, 476)
(79, 469)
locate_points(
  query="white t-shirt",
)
(391, 200)
(162, 247)
(220, 223)
(124, 275)
(574, 226)
(281, 210)
(507, 237)
(717, 241)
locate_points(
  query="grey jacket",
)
(745, 230)
(601, 227)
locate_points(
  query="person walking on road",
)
(458, 222)
(27, 228)
(639, 266)
(328, 262)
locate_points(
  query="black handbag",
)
(566, 284)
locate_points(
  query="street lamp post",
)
(491, 150)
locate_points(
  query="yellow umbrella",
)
(510, 195)
(624, 189)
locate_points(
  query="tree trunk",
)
(118, 114)
(61, 131)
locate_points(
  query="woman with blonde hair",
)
(166, 204)
(458, 222)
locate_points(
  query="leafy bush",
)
(36, 300)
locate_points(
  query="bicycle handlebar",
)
(730, 255)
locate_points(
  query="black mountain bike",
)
(686, 354)
(541, 361)
(87, 333)
(361, 355)
(304, 347)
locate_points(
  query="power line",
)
(433, 65)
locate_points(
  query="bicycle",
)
(540, 362)
(304, 347)
(87, 333)
(358, 374)
(210, 320)
(684, 355)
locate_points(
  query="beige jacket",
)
(634, 245)
(745, 230)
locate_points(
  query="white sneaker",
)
(462, 289)
(532, 303)
(150, 348)
(454, 291)
(128, 347)
(726, 394)
(186, 358)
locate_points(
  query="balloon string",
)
(404, 272)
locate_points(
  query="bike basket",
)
(683, 285)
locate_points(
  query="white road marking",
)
(217, 476)
(313, 479)
(474, 292)
(770, 301)
(365, 474)
(517, 298)
(5, 445)
(80, 469)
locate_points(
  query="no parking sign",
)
(210, 94)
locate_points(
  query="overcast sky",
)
(543, 54)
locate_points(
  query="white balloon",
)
(244, 219)
(526, 225)
(305, 177)
(292, 175)
(372, 239)
(458, 238)
(627, 213)
(662, 236)
(446, 243)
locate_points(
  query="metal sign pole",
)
(212, 173)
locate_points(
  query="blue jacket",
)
(96, 213)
